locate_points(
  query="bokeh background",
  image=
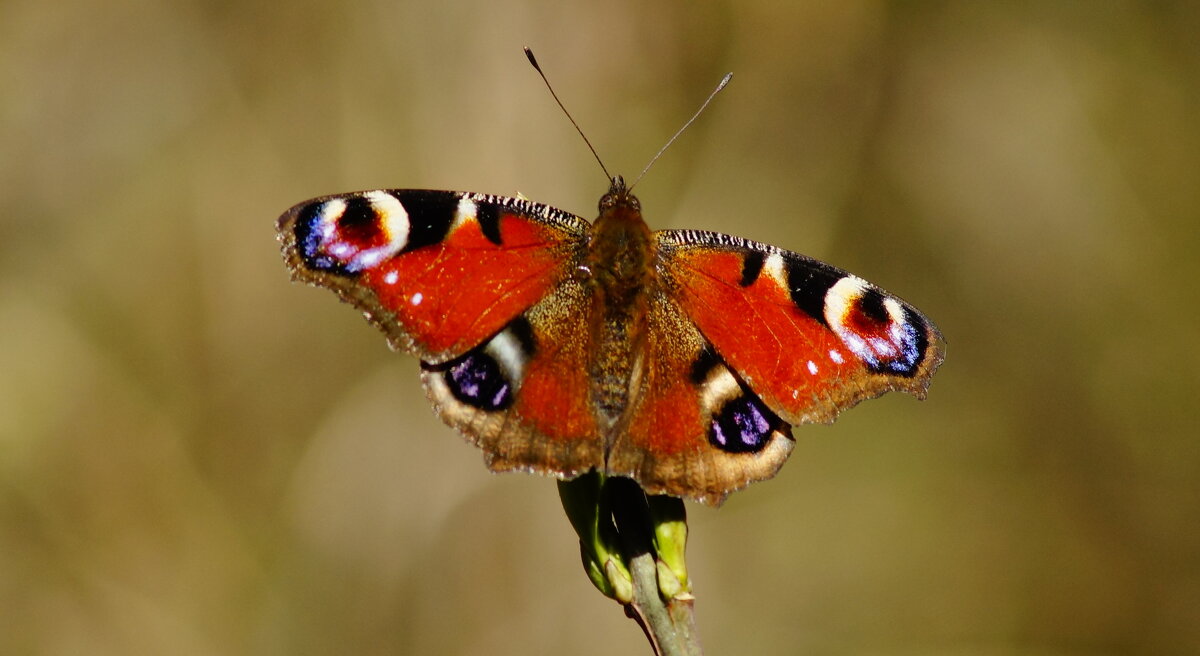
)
(198, 457)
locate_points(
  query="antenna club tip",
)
(531, 58)
(725, 80)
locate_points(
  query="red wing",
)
(523, 396)
(695, 430)
(809, 339)
(438, 271)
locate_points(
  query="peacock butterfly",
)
(678, 358)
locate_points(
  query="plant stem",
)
(669, 625)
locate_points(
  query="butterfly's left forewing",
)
(809, 339)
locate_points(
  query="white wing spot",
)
(467, 211)
(719, 387)
(393, 218)
(836, 356)
(841, 297)
(331, 211)
(839, 302)
(895, 310)
(416, 298)
(326, 227)
(812, 367)
(776, 269)
(391, 277)
(393, 223)
(509, 355)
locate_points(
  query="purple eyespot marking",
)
(888, 336)
(476, 380)
(888, 346)
(744, 425)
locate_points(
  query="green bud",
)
(622, 582)
(670, 544)
(586, 505)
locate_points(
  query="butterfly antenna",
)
(720, 85)
(538, 68)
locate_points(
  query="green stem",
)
(669, 623)
(633, 549)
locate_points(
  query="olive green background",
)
(198, 457)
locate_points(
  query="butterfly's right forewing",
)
(438, 271)
(810, 339)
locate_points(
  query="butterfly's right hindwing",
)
(524, 396)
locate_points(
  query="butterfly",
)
(678, 358)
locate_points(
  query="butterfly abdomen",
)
(620, 274)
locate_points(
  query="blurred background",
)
(199, 457)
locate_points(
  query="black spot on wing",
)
(808, 283)
(752, 265)
(522, 330)
(359, 222)
(920, 329)
(870, 304)
(704, 363)
(430, 214)
(488, 216)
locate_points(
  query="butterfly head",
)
(619, 197)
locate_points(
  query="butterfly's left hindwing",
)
(438, 271)
(809, 339)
